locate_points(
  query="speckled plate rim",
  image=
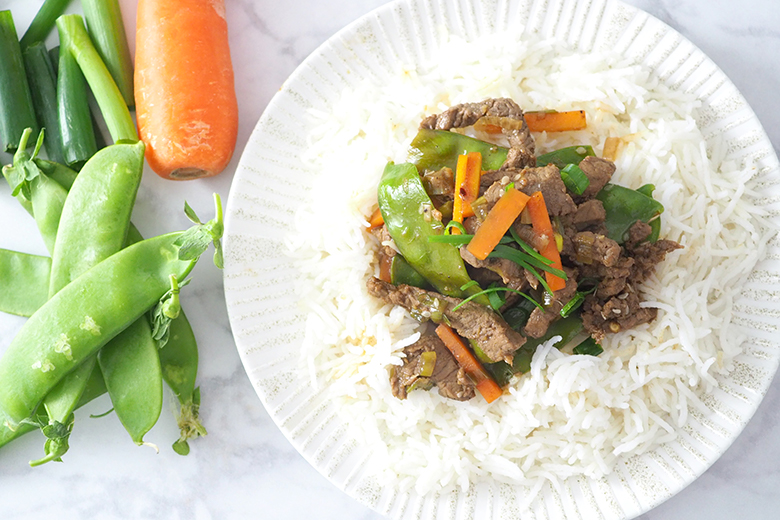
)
(267, 324)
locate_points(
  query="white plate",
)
(268, 325)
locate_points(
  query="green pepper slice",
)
(432, 150)
(407, 212)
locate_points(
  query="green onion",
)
(457, 240)
(510, 253)
(75, 122)
(104, 24)
(564, 156)
(573, 304)
(454, 224)
(427, 363)
(16, 105)
(469, 285)
(44, 20)
(575, 179)
(519, 258)
(74, 39)
(588, 347)
(496, 300)
(527, 248)
(496, 289)
(43, 88)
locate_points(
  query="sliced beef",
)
(590, 248)
(587, 215)
(599, 171)
(539, 320)
(447, 375)
(546, 179)
(638, 233)
(489, 178)
(518, 159)
(473, 321)
(466, 114)
(511, 274)
(618, 313)
(649, 254)
(385, 252)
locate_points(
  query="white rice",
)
(571, 415)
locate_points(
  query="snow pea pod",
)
(86, 314)
(624, 207)
(565, 156)
(432, 150)
(407, 212)
(25, 282)
(179, 360)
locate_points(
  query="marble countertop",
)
(245, 468)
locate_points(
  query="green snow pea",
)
(407, 212)
(38, 194)
(179, 360)
(624, 207)
(432, 150)
(82, 317)
(25, 282)
(565, 156)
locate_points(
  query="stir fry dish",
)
(502, 249)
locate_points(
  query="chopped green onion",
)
(43, 88)
(509, 186)
(496, 289)
(588, 347)
(456, 240)
(455, 224)
(468, 285)
(44, 20)
(573, 304)
(16, 104)
(427, 363)
(496, 300)
(510, 253)
(527, 248)
(575, 179)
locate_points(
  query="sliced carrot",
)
(376, 219)
(497, 223)
(467, 174)
(556, 121)
(185, 96)
(470, 364)
(540, 220)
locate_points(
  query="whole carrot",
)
(185, 98)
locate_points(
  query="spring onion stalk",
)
(43, 22)
(588, 347)
(75, 40)
(104, 24)
(75, 123)
(16, 105)
(43, 88)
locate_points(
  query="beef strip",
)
(637, 233)
(599, 171)
(592, 248)
(473, 321)
(447, 375)
(546, 179)
(540, 319)
(517, 159)
(615, 306)
(385, 253)
(511, 274)
(466, 114)
(588, 214)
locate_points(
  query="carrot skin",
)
(185, 96)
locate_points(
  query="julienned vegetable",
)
(540, 219)
(16, 107)
(91, 310)
(556, 121)
(497, 223)
(185, 98)
(484, 383)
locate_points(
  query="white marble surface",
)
(245, 468)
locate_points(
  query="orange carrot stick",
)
(467, 174)
(470, 364)
(556, 121)
(497, 223)
(540, 220)
(185, 98)
(376, 219)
